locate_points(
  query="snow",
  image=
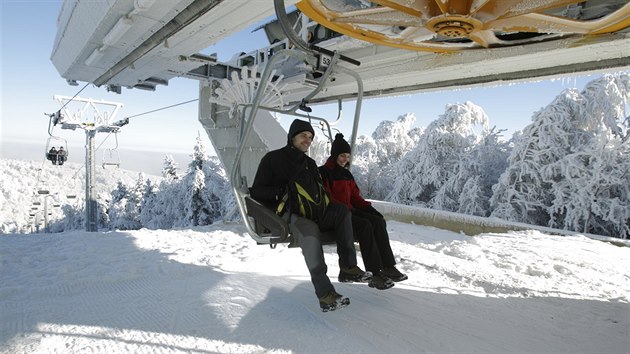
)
(211, 289)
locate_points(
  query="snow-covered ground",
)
(213, 290)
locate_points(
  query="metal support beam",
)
(507, 77)
(91, 221)
(186, 17)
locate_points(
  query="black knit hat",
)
(299, 126)
(339, 146)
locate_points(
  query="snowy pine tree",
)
(194, 207)
(166, 209)
(219, 197)
(149, 201)
(204, 191)
(199, 155)
(169, 171)
(125, 207)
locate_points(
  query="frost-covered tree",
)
(373, 156)
(149, 201)
(169, 170)
(391, 141)
(219, 197)
(320, 149)
(204, 192)
(166, 209)
(364, 166)
(570, 168)
(124, 210)
(117, 205)
(200, 197)
(447, 168)
(194, 206)
(199, 155)
(478, 171)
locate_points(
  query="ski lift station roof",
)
(402, 46)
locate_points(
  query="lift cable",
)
(163, 108)
(75, 95)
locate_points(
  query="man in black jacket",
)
(275, 171)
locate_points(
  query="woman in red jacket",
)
(369, 226)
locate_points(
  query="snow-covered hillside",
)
(20, 180)
(213, 290)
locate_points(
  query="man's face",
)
(302, 141)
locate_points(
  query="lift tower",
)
(92, 120)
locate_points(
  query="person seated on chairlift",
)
(275, 187)
(61, 156)
(52, 155)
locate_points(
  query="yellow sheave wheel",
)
(452, 25)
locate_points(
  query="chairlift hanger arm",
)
(357, 111)
(246, 128)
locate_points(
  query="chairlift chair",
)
(111, 159)
(263, 225)
(55, 141)
(111, 156)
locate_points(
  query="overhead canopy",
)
(144, 43)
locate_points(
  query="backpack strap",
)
(282, 206)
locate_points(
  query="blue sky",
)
(29, 81)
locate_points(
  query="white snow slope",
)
(213, 290)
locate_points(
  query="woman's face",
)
(343, 159)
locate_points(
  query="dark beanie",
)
(339, 146)
(299, 126)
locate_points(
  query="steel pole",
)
(90, 197)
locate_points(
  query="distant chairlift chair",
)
(56, 142)
(111, 156)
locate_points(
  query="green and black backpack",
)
(306, 195)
